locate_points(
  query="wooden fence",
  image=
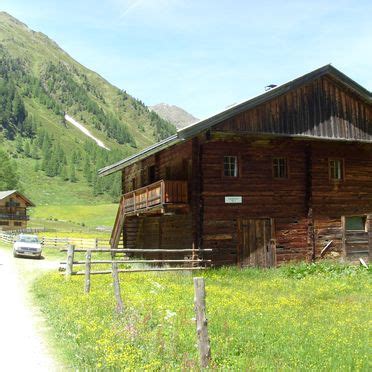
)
(81, 243)
(6, 238)
(59, 243)
(189, 264)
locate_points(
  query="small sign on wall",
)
(233, 199)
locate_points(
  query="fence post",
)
(369, 231)
(115, 277)
(201, 322)
(70, 260)
(88, 259)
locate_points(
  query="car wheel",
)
(15, 254)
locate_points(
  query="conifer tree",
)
(27, 149)
(72, 173)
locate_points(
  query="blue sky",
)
(205, 55)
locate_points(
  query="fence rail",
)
(58, 243)
(82, 243)
(189, 263)
(7, 238)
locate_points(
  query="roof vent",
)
(269, 87)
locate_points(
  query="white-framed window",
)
(230, 166)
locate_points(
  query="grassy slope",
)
(22, 42)
(37, 50)
(89, 215)
(306, 318)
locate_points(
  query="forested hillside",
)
(39, 84)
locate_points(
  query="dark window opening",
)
(17, 223)
(230, 166)
(12, 203)
(280, 168)
(356, 223)
(336, 169)
(151, 174)
(4, 223)
(133, 184)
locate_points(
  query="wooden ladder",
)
(118, 226)
(114, 243)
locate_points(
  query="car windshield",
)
(28, 239)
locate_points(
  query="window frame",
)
(151, 174)
(342, 169)
(273, 167)
(237, 167)
(364, 220)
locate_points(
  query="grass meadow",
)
(307, 317)
(82, 219)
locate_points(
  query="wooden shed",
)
(275, 178)
(13, 210)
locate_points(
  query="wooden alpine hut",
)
(13, 210)
(279, 177)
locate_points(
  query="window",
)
(280, 168)
(336, 169)
(4, 223)
(12, 203)
(230, 166)
(133, 184)
(151, 174)
(356, 223)
(16, 223)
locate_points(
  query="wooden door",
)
(256, 246)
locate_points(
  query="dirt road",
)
(22, 345)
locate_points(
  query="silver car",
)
(27, 245)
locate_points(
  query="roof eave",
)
(170, 141)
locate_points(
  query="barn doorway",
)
(256, 246)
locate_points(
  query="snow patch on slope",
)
(85, 131)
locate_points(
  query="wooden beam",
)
(201, 323)
(369, 230)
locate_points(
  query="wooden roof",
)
(194, 129)
(5, 194)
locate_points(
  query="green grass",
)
(64, 216)
(308, 317)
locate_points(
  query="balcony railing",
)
(13, 214)
(161, 193)
(158, 193)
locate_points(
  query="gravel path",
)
(22, 347)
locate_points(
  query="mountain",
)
(174, 114)
(54, 113)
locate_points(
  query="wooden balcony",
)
(13, 214)
(159, 194)
(158, 198)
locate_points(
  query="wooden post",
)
(88, 259)
(369, 230)
(116, 282)
(70, 260)
(343, 237)
(201, 322)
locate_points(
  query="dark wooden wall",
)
(172, 164)
(159, 232)
(321, 108)
(306, 208)
(284, 200)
